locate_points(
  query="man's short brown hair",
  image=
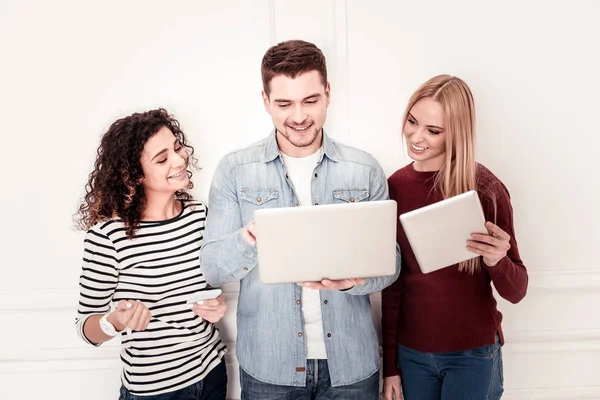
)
(292, 58)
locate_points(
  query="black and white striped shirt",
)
(160, 268)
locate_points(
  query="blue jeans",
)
(318, 387)
(212, 387)
(474, 374)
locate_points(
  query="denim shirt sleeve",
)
(225, 256)
(379, 191)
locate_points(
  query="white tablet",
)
(438, 233)
(330, 241)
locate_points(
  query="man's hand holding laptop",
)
(249, 233)
(327, 284)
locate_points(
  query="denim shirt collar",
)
(272, 150)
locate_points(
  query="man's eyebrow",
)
(312, 96)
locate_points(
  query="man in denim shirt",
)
(316, 339)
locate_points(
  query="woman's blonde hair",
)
(458, 173)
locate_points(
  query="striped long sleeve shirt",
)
(160, 268)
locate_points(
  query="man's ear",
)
(266, 102)
(327, 94)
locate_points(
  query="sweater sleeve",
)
(509, 275)
(391, 306)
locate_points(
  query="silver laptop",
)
(330, 241)
(438, 233)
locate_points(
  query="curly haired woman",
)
(144, 232)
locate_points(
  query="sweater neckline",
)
(421, 175)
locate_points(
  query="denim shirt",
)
(270, 344)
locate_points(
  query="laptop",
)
(438, 233)
(330, 241)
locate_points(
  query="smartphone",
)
(204, 295)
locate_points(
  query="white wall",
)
(532, 66)
(70, 68)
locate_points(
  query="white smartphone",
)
(204, 295)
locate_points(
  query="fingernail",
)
(200, 302)
(128, 305)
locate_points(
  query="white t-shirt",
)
(300, 171)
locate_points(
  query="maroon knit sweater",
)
(447, 310)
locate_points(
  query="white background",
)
(70, 68)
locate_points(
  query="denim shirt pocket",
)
(350, 195)
(260, 197)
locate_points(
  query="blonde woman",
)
(442, 331)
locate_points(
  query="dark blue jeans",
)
(212, 387)
(474, 374)
(318, 387)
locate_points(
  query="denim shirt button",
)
(245, 268)
(325, 302)
(329, 335)
(298, 302)
(299, 334)
(295, 205)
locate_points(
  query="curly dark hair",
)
(114, 188)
